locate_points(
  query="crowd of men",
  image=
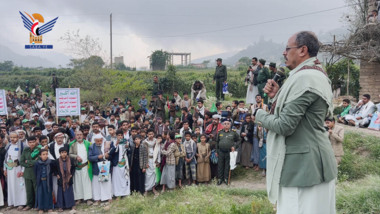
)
(51, 162)
(364, 114)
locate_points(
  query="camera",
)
(327, 128)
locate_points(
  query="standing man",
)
(178, 100)
(227, 141)
(220, 77)
(160, 105)
(156, 86)
(53, 153)
(27, 87)
(251, 81)
(300, 160)
(83, 171)
(274, 71)
(259, 105)
(211, 132)
(54, 83)
(37, 91)
(262, 79)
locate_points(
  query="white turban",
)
(98, 136)
(59, 134)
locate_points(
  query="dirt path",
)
(247, 179)
(360, 130)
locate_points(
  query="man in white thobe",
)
(98, 152)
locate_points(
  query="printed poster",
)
(68, 101)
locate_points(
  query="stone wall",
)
(370, 80)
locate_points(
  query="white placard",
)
(68, 101)
(3, 103)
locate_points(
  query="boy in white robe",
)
(120, 166)
(154, 159)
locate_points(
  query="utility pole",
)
(348, 76)
(111, 37)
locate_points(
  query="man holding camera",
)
(280, 72)
(336, 136)
(262, 79)
(251, 82)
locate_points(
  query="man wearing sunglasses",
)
(301, 168)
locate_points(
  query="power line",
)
(253, 24)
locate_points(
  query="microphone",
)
(276, 78)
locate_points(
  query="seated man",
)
(346, 109)
(198, 91)
(375, 120)
(362, 113)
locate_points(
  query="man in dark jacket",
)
(220, 77)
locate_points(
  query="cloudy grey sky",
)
(198, 26)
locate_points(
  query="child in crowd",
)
(180, 155)
(168, 126)
(44, 179)
(143, 133)
(190, 161)
(143, 102)
(149, 114)
(120, 167)
(28, 159)
(172, 110)
(111, 133)
(346, 109)
(177, 124)
(3, 189)
(44, 142)
(168, 163)
(64, 169)
(138, 163)
(154, 159)
(203, 160)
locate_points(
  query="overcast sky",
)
(198, 26)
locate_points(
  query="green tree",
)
(171, 77)
(245, 61)
(94, 62)
(159, 59)
(205, 63)
(126, 85)
(91, 62)
(6, 66)
(121, 67)
(338, 74)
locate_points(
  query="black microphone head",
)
(281, 71)
(276, 77)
